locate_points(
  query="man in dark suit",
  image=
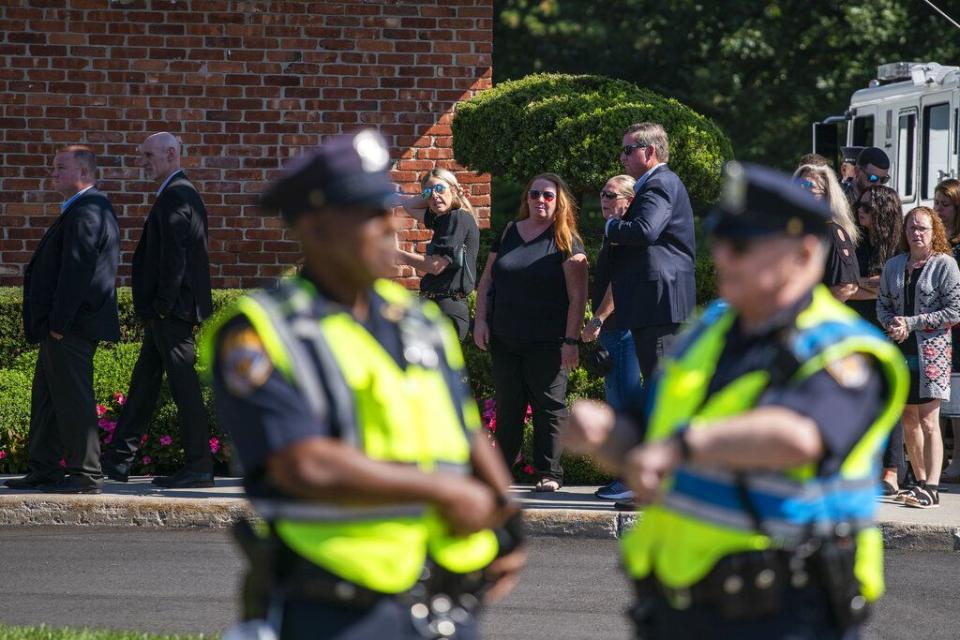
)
(69, 305)
(171, 294)
(652, 248)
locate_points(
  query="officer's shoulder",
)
(852, 371)
(242, 359)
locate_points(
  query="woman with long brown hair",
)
(530, 305)
(919, 302)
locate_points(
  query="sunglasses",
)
(610, 195)
(437, 188)
(872, 178)
(630, 148)
(809, 185)
(548, 196)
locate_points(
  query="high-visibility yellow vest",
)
(406, 416)
(702, 517)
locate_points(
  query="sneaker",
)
(616, 490)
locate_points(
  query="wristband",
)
(571, 341)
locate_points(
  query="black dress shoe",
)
(119, 471)
(74, 484)
(185, 479)
(32, 481)
(625, 505)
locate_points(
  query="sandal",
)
(902, 495)
(927, 497)
(888, 489)
(547, 485)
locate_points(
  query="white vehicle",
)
(911, 111)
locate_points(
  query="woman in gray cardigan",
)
(918, 303)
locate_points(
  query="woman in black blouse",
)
(530, 305)
(450, 260)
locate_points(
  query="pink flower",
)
(120, 398)
(165, 441)
(528, 469)
(214, 445)
(492, 425)
(108, 439)
(529, 411)
(3, 454)
(144, 439)
(147, 459)
(63, 463)
(107, 425)
(101, 410)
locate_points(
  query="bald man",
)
(171, 295)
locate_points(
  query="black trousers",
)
(651, 343)
(309, 620)
(63, 410)
(168, 347)
(526, 372)
(457, 310)
(805, 616)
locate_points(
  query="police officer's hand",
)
(481, 333)
(587, 427)
(645, 467)
(466, 504)
(505, 574)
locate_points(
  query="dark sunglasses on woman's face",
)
(609, 195)
(875, 179)
(437, 188)
(535, 194)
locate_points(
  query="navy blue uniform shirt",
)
(842, 409)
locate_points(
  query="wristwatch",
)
(571, 341)
(596, 322)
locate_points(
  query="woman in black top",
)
(449, 263)
(536, 278)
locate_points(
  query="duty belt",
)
(441, 295)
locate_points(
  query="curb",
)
(219, 513)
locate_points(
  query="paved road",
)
(184, 581)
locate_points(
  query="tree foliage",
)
(762, 69)
(573, 126)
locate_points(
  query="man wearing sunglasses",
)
(652, 247)
(872, 169)
(756, 448)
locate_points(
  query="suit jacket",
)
(171, 268)
(69, 285)
(652, 255)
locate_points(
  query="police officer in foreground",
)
(758, 449)
(385, 511)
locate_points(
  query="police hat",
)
(757, 201)
(850, 154)
(348, 169)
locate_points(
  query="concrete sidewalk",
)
(573, 511)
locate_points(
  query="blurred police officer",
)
(357, 437)
(759, 446)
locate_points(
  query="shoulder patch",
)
(850, 372)
(244, 361)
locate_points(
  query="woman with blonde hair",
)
(919, 302)
(841, 274)
(449, 263)
(530, 305)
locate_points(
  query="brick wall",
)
(246, 85)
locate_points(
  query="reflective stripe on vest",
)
(702, 517)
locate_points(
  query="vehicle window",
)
(906, 142)
(936, 147)
(863, 131)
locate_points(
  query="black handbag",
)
(595, 359)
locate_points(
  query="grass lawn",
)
(49, 633)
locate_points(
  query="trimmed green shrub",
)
(573, 126)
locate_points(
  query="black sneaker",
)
(118, 471)
(185, 479)
(32, 481)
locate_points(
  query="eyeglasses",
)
(610, 195)
(437, 188)
(810, 185)
(630, 148)
(873, 178)
(548, 196)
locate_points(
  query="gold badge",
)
(244, 362)
(851, 372)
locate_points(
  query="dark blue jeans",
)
(623, 384)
